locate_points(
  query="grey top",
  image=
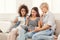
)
(31, 24)
(50, 20)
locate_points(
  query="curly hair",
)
(26, 9)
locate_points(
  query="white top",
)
(50, 20)
(22, 20)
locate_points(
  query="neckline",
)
(33, 20)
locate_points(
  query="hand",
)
(29, 30)
(37, 29)
(27, 17)
(42, 15)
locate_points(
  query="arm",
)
(40, 21)
(43, 28)
(15, 21)
(40, 24)
(26, 22)
(47, 25)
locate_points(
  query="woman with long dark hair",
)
(32, 22)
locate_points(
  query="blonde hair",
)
(44, 5)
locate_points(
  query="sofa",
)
(3, 36)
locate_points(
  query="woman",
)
(32, 22)
(48, 25)
(23, 10)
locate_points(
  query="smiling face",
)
(33, 12)
(44, 7)
(23, 12)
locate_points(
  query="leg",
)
(29, 35)
(21, 33)
(42, 35)
(12, 34)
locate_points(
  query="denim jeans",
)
(21, 35)
(43, 35)
(29, 34)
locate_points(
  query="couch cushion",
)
(3, 36)
(4, 26)
(57, 27)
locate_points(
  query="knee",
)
(28, 35)
(34, 37)
(13, 32)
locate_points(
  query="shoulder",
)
(50, 14)
(19, 18)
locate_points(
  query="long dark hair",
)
(26, 9)
(36, 9)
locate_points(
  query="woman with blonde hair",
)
(48, 25)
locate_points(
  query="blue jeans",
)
(43, 35)
(21, 35)
(29, 34)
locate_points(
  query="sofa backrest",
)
(57, 31)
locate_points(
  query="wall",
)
(7, 6)
(53, 5)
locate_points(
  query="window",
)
(7, 6)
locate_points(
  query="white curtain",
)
(7, 6)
